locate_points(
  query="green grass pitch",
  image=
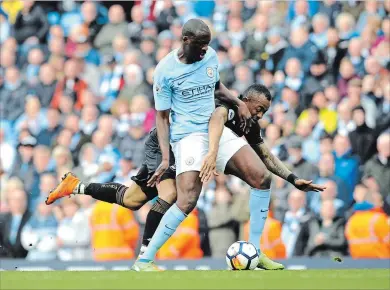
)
(295, 279)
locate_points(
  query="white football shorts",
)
(190, 151)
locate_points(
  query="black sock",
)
(108, 192)
(153, 219)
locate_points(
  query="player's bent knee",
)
(260, 181)
(169, 196)
(267, 179)
(134, 199)
(188, 201)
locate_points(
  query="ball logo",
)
(190, 161)
(210, 72)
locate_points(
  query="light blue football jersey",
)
(188, 90)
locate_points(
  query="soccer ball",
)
(242, 256)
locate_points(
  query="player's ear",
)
(186, 39)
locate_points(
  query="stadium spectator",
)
(12, 184)
(166, 16)
(330, 193)
(31, 25)
(89, 14)
(330, 8)
(48, 135)
(108, 157)
(117, 25)
(221, 222)
(347, 73)
(23, 166)
(256, 41)
(12, 95)
(12, 224)
(87, 162)
(47, 182)
(371, 10)
(38, 236)
(33, 118)
(296, 215)
(88, 122)
(309, 139)
(356, 98)
(367, 230)
(362, 139)
(345, 24)
(299, 163)
(134, 141)
(243, 78)
(134, 83)
(274, 48)
(78, 45)
(323, 236)
(318, 80)
(345, 123)
(346, 164)
(31, 69)
(378, 166)
(45, 87)
(62, 157)
(111, 82)
(334, 51)
(70, 85)
(42, 164)
(73, 233)
(114, 232)
(326, 167)
(126, 169)
(320, 24)
(7, 152)
(299, 47)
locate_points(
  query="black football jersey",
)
(233, 123)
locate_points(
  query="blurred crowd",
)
(76, 95)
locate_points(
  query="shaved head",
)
(195, 27)
(196, 37)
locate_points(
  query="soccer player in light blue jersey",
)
(184, 85)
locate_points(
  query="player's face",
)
(195, 48)
(258, 107)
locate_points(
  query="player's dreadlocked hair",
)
(195, 27)
(256, 90)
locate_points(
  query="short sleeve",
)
(254, 136)
(162, 92)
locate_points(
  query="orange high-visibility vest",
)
(185, 242)
(114, 232)
(270, 242)
(368, 234)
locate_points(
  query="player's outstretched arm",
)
(243, 112)
(216, 125)
(277, 167)
(162, 125)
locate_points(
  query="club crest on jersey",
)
(230, 115)
(190, 161)
(210, 72)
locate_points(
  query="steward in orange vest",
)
(114, 231)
